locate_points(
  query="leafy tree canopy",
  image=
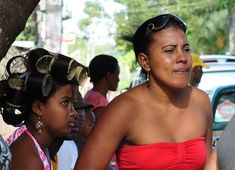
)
(207, 21)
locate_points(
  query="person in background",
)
(86, 129)
(104, 74)
(39, 99)
(196, 73)
(89, 121)
(163, 123)
(5, 155)
(139, 80)
(89, 124)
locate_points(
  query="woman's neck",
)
(42, 138)
(168, 95)
(101, 89)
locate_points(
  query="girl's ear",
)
(143, 60)
(109, 76)
(37, 108)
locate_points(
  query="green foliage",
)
(124, 85)
(79, 44)
(129, 60)
(29, 33)
(94, 10)
(209, 31)
(206, 21)
(129, 19)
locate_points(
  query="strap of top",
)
(23, 129)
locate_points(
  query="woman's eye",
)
(169, 51)
(187, 49)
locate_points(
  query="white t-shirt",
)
(67, 155)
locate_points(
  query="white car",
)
(223, 107)
(219, 82)
(220, 73)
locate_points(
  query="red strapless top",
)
(189, 155)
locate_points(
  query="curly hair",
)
(40, 75)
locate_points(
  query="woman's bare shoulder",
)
(198, 93)
(201, 99)
(25, 155)
(129, 98)
(124, 106)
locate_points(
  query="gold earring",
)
(39, 125)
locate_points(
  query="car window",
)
(225, 108)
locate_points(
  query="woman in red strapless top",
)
(171, 156)
(162, 124)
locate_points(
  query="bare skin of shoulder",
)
(29, 153)
(137, 118)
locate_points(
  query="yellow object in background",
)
(197, 61)
(55, 163)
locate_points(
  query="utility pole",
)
(231, 23)
(53, 25)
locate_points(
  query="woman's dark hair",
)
(43, 74)
(143, 36)
(100, 65)
(145, 33)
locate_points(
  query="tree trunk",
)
(13, 17)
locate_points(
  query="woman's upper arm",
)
(104, 139)
(208, 110)
(24, 159)
(99, 112)
(212, 163)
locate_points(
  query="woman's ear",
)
(107, 76)
(143, 60)
(37, 108)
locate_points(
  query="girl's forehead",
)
(65, 90)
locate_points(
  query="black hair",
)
(100, 65)
(45, 73)
(144, 34)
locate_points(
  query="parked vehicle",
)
(221, 72)
(219, 82)
(223, 106)
(217, 58)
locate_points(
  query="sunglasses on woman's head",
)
(161, 21)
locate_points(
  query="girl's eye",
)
(92, 124)
(65, 102)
